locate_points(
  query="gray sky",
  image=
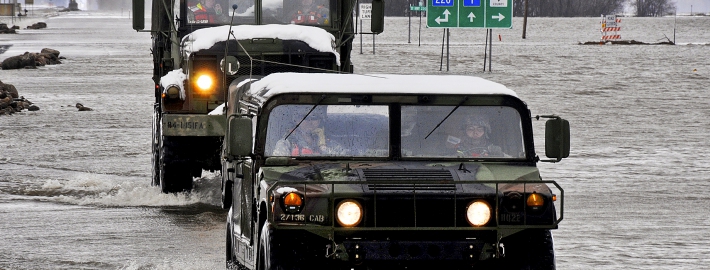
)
(698, 6)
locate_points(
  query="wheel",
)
(266, 259)
(174, 176)
(155, 149)
(226, 193)
(528, 250)
(229, 255)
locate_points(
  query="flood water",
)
(75, 186)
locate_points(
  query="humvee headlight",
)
(478, 213)
(292, 202)
(349, 213)
(205, 82)
(535, 200)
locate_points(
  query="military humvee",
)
(343, 171)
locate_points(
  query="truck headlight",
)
(349, 213)
(205, 82)
(478, 213)
(173, 92)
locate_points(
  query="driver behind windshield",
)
(306, 139)
(476, 139)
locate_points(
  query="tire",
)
(529, 250)
(174, 176)
(266, 259)
(155, 149)
(229, 255)
(227, 193)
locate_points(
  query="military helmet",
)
(477, 121)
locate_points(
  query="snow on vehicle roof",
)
(281, 83)
(315, 37)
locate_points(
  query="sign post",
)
(419, 8)
(366, 14)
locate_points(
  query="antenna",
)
(224, 60)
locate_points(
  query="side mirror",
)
(378, 16)
(239, 137)
(138, 15)
(557, 138)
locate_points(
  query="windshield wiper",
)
(447, 117)
(304, 117)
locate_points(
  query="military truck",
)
(201, 47)
(387, 172)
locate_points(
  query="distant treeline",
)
(558, 8)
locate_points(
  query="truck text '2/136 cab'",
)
(200, 47)
(342, 171)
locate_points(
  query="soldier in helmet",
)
(476, 141)
(306, 139)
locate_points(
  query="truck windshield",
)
(467, 132)
(305, 12)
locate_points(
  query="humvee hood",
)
(384, 171)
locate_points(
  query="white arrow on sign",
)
(471, 16)
(439, 20)
(500, 17)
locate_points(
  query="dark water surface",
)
(75, 192)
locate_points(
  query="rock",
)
(50, 51)
(5, 30)
(9, 88)
(82, 108)
(11, 102)
(17, 62)
(5, 102)
(38, 25)
(32, 60)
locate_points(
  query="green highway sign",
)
(469, 13)
(417, 8)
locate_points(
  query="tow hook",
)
(336, 251)
(500, 251)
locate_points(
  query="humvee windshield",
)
(305, 12)
(364, 131)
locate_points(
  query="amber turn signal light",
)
(293, 200)
(535, 200)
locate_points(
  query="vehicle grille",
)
(411, 175)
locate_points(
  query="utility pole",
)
(525, 19)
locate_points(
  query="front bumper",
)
(384, 238)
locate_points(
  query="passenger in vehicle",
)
(475, 141)
(208, 11)
(307, 139)
(309, 12)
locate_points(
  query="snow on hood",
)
(279, 83)
(315, 37)
(176, 78)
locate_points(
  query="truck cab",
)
(349, 171)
